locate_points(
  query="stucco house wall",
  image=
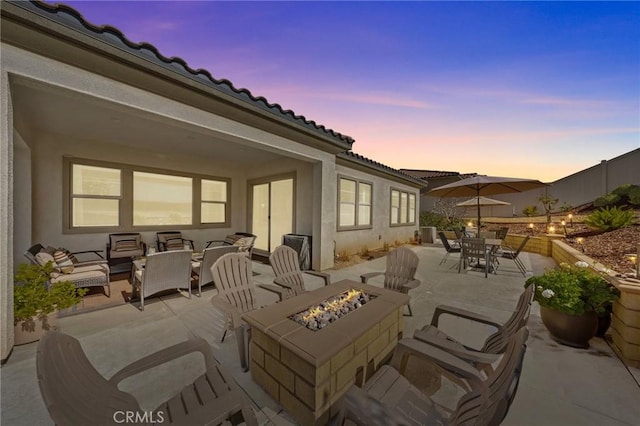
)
(381, 231)
(69, 90)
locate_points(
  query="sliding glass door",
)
(272, 211)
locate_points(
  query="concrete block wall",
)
(625, 324)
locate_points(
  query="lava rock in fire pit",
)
(319, 316)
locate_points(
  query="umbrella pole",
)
(478, 198)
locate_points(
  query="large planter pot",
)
(570, 330)
(33, 329)
(604, 322)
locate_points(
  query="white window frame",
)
(126, 198)
(357, 203)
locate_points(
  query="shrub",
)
(31, 297)
(623, 190)
(634, 196)
(606, 200)
(530, 211)
(566, 207)
(573, 290)
(609, 218)
(440, 221)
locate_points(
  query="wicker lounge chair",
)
(75, 393)
(402, 264)
(94, 273)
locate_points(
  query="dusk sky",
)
(524, 89)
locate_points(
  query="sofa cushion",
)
(42, 258)
(174, 244)
(126, 245)
(62, 260)
(245, 243)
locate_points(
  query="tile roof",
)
(357, 158)
(431, 174)
(68, 16)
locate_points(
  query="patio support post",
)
(324, 213)
(6, 219)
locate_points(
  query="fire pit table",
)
(306, 358)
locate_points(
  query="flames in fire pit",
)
(319, 316)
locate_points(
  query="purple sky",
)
(538, 90)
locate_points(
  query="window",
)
(213, 201)
(403, 208)
(114, 197)
(95, 196)
(354, 206)
(161, 199)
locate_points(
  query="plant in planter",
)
(571, 298)
(34, 300)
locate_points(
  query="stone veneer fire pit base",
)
(308, 371)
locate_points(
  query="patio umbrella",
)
(478, 186)
(483, 201)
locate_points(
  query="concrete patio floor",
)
(559, 385)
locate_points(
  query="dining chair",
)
(507, 253)
(163, 271)
(474, 250)
(502, 232)
(448, 247)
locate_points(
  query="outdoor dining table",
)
(491, 245)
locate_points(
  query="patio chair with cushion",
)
(75, 393)
(202, 268)
(286, 267)
(81, 274)
(163, 271)
(448, 247)
(172, 240)
(494, 344)
(402, 264)
(244, 240)
(122, 248)
(389, 398)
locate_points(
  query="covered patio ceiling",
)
(39, 107)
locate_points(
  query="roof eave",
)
(75, 43)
